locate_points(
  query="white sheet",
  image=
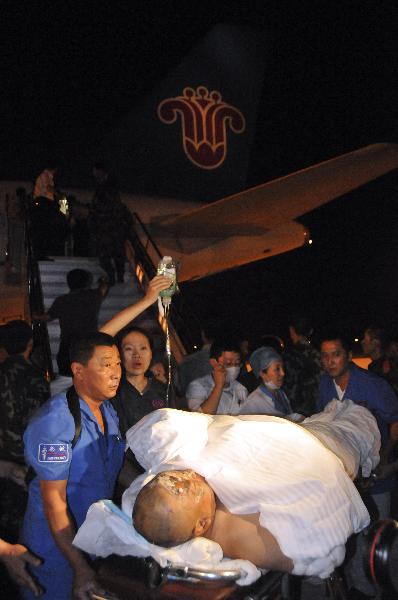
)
(354, 436)
(269, 466)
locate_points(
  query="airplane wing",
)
(269, 205)
(258, 222)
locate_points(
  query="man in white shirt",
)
(219, 393)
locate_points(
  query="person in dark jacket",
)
(303, 368)
(345, 381)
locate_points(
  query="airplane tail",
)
(191, 136)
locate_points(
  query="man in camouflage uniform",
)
(303, 369)
(109, 224)
(23, 388)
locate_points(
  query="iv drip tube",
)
(164, 309)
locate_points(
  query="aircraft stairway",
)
(53, 282)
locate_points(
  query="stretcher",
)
(131, 578)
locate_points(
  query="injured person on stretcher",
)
(264, 489)
(177, 506)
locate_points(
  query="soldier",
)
(23, 388)
(109, 224)
(303, 368)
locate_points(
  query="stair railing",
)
(35, 294)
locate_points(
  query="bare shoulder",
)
(242, 536)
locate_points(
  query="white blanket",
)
(354, 436)
(265, 465)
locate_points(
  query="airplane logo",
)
(204, 120)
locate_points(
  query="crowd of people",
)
(73, 444)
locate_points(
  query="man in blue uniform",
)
(71, 476)
(344, 380)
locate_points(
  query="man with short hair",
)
(71, 476)
(373, 344)
(77, 312)
(220, 392)
(344, 380)
(267, 490)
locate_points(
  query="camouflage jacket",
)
(110, 222)
(303, 371)
(23, 389)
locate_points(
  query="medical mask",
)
(272, 386)
(232, 374)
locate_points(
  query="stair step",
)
(110, 301)
(60, 276)
(53, 281)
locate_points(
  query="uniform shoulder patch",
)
(50, 453)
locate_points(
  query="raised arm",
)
(125, 316)
(210, 405)
(197, 396)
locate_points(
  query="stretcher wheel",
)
(381, 554)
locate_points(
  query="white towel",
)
(105, 532)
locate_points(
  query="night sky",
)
(71, 72)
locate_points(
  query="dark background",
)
(70, 71)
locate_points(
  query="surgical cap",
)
(261, 359)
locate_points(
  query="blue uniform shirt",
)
(91, 469)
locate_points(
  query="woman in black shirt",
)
(138, 393)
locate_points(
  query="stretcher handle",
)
(182, 572)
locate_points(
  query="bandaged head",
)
(179, 483)
(168, 508)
